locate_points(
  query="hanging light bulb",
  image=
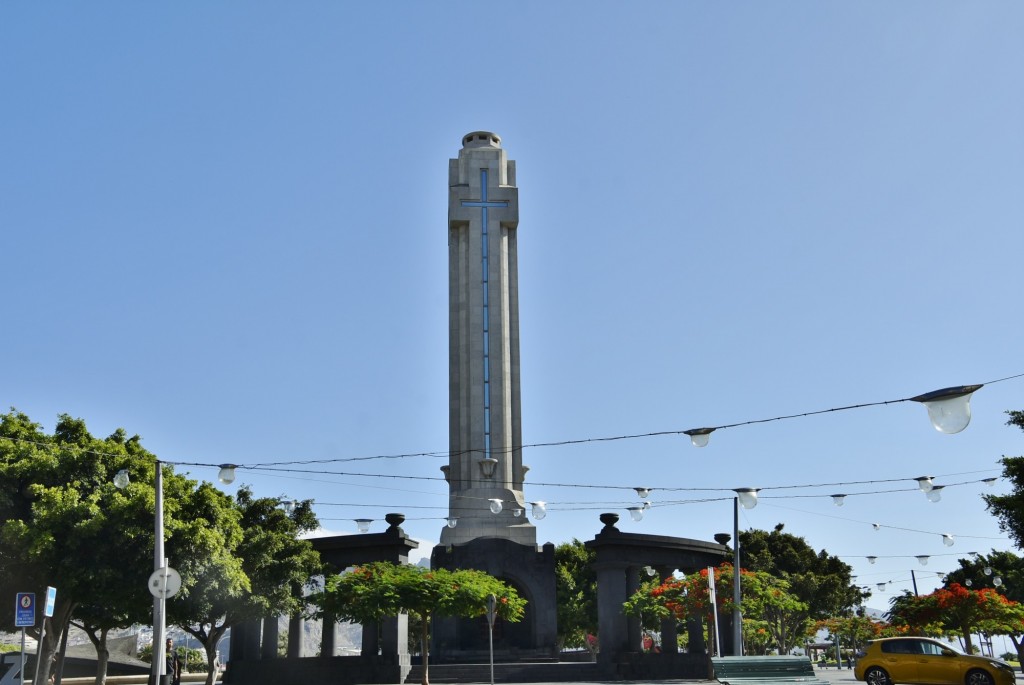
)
(452, 521)
(872, 560)
(950, 408)
(987, 570)
(226, 474)
(881, 586)
(289, 506)
(947, 540)
(997, 581)
(517, 512)
(636, 513)
(495, 506)
(989, 481)
(363, 525)
(747, 497)
(539, 509)
(649, 570)
(969, 582)
(838, 500)
(935, 494)
(121, 480)
(700, 436)
(876, 526)
(924, 482)
(646, 505)
(923, 559)
(642, 492)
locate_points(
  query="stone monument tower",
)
(485, 472)
(485, 467)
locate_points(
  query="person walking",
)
(172, 664)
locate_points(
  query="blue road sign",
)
(51, 599)
(25, 610)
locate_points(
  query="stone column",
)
(669, 634)
(251, 646)
(236, 648)
(296, 635)
(395, 637)
(611, 622)
(370, 644)
(329, 636)
(634, 630)
(695, 635)
(271, 633)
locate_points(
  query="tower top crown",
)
(481, 139)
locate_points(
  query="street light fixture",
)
(935, 494)
(700, 436)
(747, 498)
(538, 509)
(838, 500)
(950, 408)
(226, 474)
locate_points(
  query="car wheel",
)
(878, 676)
(978, 678)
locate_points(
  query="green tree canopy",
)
(64, 523)
(371, 592)
(257, 567)
(819, 580)
(1009, 508)
(576, 595)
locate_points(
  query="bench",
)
(765, 670)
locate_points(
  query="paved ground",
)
(844, 675)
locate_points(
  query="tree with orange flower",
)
(956, 609)
(766, 601)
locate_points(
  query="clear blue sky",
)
(224, 229)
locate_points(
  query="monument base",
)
(527, 568)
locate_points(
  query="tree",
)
(1006, 566)
(1009, 509)
(256, 568)
(765, 602)
(956, 610)
(371, 592)
(855, 629)
(64, 524)
(821, 582)
(576, 595)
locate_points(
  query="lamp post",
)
(747, 497)
(159, 621)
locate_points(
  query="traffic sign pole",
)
(24, 616)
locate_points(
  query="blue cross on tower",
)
(483, 203)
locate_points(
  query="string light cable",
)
(697, 435)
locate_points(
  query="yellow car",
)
(921, 660)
